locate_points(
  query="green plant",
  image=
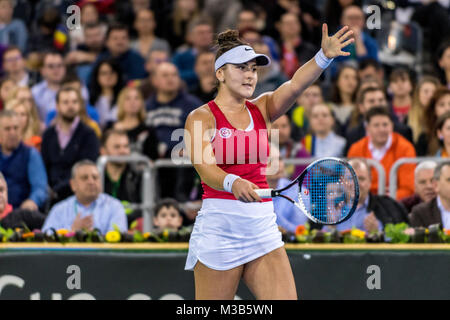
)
(394, 233)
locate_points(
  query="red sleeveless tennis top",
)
(240, 152)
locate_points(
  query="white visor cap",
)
(241, 54)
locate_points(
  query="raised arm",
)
(197, 137)
(279, 101)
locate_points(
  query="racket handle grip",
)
(264, 193)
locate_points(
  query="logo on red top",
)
(225, 133)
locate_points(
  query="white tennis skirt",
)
(230, 233)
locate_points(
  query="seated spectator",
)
(423, 93)
(364, 45)
(200, 38)
(13, 31)
(270, 77)
(322, 141)
(204, 69)
(14, 66)
(288, 216)
(22, 166)
(10, 218)
(281, 130)
(88, 208)
(167, 216)
(146, 42)
(7, 86)
(295, 51)
(104, 88)
(300, 113)
(67, 141)
(428, 143)
(367, 99)
(443, 134)
(370, 68)
(373, 211)
(444, 62)
(118, 47)
(401, 86)
(343, 96)
(29, 124)
(424, 185)
(155, 57)
(385, 146)
(53, 72)
(131, 118)
(72, 81)
(438, 209)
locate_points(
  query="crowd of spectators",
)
(129, 73)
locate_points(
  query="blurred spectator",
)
(427, 143)
(288, 216)
(224, 14)
(301, 111)
(423, 93)
(370, 68)
(322, 141)
(106, 83)
(155, 57)
(333, 12)
(131, 116)
(50, 34)
(167, 111)
(15, 68)
(167, 215)
(343, 96)
(385, 146)
(10, 218)
(204, 69)
(22, 166)
(295, 51)
(120, 179)
(53, 72)
(444, 62)
(12, 31)
(367, 99)
(373, 211)
(174, 26)
(443, 134)
(118, 47)
(67, 141)
(147, 41)
(88, 208)
(424, 185)
(364, 45)
(401, 87)
(200, 38)
(270, 77)
(288, 148)
(7, 86)
(71, 80)
(29, 124)
(87, 50)
(438, 209)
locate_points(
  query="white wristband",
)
(321, 60)
(228, 182)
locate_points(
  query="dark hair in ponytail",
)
(228, 40)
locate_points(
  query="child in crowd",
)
(401, 87)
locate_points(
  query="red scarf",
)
(7, 211)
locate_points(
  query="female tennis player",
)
(235, 233)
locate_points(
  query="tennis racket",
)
(328, 191)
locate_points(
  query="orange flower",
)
(62, 232)
(447, 232)
(28, 235)
(301, 230)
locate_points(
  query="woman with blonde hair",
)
(30, 125)
(131, 117)
(421, 98)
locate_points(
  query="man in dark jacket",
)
(66, 142)
(438, 209)
(373, 211)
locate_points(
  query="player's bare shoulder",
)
(203, 114)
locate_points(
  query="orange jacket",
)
(400, 148)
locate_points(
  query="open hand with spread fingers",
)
(332, 46)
